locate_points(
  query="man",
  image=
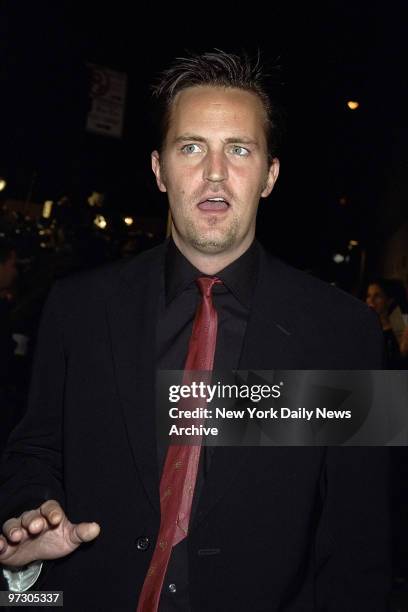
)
(269, 528)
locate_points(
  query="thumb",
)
(84, 532)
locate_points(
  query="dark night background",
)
(343, 172)
(329, 54)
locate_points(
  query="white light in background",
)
(100, 221)
(96, 198)
(352, 244)
(47, 208)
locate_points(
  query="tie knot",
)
(206, 283)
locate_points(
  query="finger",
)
(84, 532)
(13, 530)
(32, 521)
(37, 526)
(8, 552)
(3, 545)
(52, 511)
(5, 550)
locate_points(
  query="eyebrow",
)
(230, 140)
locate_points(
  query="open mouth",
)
(214, 204)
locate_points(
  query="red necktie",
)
(180, 467)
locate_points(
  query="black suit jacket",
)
(276, 528)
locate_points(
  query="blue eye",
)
(191, 148)
(240, 151)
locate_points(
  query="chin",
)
(212, 244)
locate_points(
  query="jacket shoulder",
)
(310, 293)
(322, 314)
(102, 282)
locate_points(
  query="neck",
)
(211, 263)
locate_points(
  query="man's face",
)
(214, 168)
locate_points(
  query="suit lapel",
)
(132, 315)
(271, 341)
(268, 344)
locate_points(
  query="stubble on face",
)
(213, 241)
(215, 238)
(215, 121)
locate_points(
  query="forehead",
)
(375, 289)
(215, 109)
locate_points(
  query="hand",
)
(44, 533)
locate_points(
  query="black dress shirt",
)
(179, 300)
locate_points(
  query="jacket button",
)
(142, 543)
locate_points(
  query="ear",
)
(273, 174)
(158, 172)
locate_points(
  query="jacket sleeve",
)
(31, 469)
(353, 550)
(353, 543)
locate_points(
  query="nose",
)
(215, 167)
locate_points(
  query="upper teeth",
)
(216, 200)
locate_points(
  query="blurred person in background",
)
(387, 298)
(8, 275)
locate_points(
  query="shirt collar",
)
(239, 277)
